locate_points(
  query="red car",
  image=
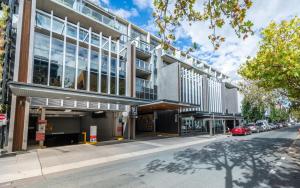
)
(241, 130)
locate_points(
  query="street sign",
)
(39, 136)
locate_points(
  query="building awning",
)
(207, 115)
(161, 105)
(34, 90)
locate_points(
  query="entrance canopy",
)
(161, 105)
(34, 90)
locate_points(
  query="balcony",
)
(170, 56)
(143, 66)
(82, 13)
(145, 90)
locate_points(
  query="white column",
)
(100, 63)
(118, 67)
(109, 65)
(186, 87)
(89, 60)
(64, 53)
(50, 48)
(77, 52)
(192, 87)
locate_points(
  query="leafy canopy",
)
(277, 63)
(170, 14)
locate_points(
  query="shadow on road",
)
(254, 160)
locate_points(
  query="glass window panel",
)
(41, 60)
(95, 40)
(55, 75)
(83, 35)
(41, 46)
(40, 71)
(82, 80)
(58, 26)
(70, 77)
(104, 83)
(94, 73)
(71, 31)
(94, 81)
(57, 51)
(122, 86)
(83, 58)
(104, 63)
(113, 66)
(43, 21)
(113, 85)
(70, 55)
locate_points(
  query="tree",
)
(276, 65)
(3, 21)
(169, 15)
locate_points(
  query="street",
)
(257, 160)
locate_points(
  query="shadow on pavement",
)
(254, 160)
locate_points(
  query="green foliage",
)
(252, 111)
(278, 114)
(168, 15)
(276, 65)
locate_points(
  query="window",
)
(83, 35)
(43, 21)
(58, 26)
(82, 68)
(104, 73)
(95, 40)
(70, 66)
(94, 72)
(56, 62)
(71, 31)
(122, 79)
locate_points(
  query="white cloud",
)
(142, 4)
(126, 13)
(235, 51)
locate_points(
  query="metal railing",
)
(82, 8)
(142, 65)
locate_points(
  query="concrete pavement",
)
(258, 160)
(52, 160)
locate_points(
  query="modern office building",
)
(78, 65)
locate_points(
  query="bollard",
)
(84, 137)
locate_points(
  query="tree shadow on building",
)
(257, 160)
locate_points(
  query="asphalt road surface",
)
(257, 160)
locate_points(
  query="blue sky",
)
(233, 52)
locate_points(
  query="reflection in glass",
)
(94, 72)
(56, 62)
(70, 64)
(82, 68)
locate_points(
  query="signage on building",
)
(93, 134)
(39, 136)
(133, 112)
(3, 119)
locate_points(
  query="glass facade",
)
(70, 66)
(41, 60)
(82, 68)
(94, 71)
(56, 65)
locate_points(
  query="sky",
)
(234, 51)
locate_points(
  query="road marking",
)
(272, 171)
(282, 158)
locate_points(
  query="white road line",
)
(151, 143)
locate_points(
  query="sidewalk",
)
(51, 160)
(294, 150)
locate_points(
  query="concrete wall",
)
(229, 99)
(105, 126)
(168, 82)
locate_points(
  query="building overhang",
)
(207, 115)
(35, 90)
(161, 105)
